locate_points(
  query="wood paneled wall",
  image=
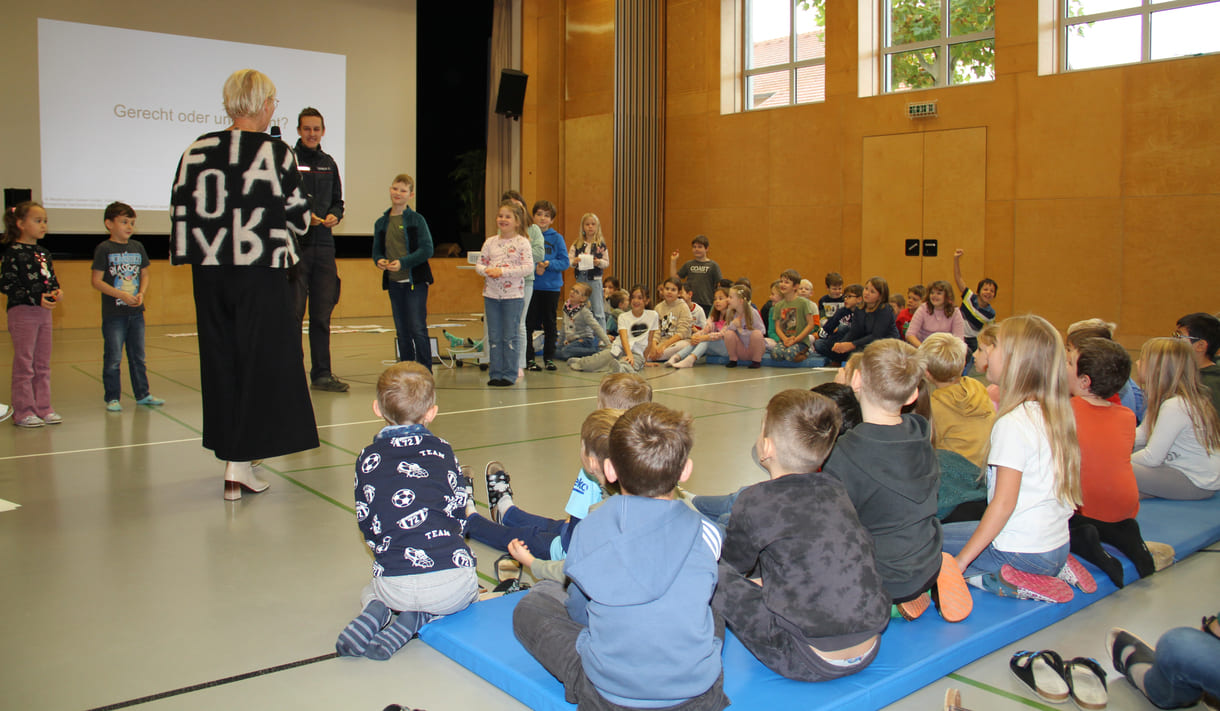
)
(1102, 186)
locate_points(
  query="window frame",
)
(791, 67)
(944, 42)
(1144, 11)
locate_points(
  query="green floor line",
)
(998, 692)
(179, 383)
(157, 409)
(310, 489)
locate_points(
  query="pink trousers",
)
(30, 328)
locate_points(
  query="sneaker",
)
(114, 406)
(912, 609)
(951, 594)
(498, 487)
(1011, 582)
(30, 421)
(533, 367)
(53, 418)
(5, 412)
(152, 401)
(1074, 573)
(550, 365)
(330, 383)
(454, 341)
(466, 484)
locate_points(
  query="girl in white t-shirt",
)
(1020, 547)
(1177, 446)
(635, 329)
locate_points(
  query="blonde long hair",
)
(598, 238)
(1168, 369)
(747, 315)
(1035, 369)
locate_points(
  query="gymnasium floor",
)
(126, 582)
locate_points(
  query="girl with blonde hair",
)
(1020, 547)
(590, 244)
(1177, 446)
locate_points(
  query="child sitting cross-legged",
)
(635, 627)
(537, 536)
(409, 499)
(891, 473)
(806, 600)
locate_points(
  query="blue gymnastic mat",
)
(912, 654)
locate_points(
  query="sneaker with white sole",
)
(114, 406)
(498, 486)
(330, 383)
(5, 412)
(29, 421)
(53, 418)
(150, 401)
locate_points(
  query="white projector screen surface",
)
(118, 107)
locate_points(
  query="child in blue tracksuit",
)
(548, 283)
(635, 628)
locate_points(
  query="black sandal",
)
(1126, 649)
(1086, 682)
(1042, 672)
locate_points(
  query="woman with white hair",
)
(237, 211)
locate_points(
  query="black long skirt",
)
(251, 364)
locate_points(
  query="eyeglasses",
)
(1186, 337)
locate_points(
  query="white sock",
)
(976, 581)
(504, 504)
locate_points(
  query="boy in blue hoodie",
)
(643, 569)
(548, 283)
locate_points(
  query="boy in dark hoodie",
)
(891, 474)
(643, 569)
(798, 582)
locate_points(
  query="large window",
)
(933, 43)
(785, 53)
(1098, 33)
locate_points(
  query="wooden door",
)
(923, 186)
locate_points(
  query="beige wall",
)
(1102, 186)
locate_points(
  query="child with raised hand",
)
(710, 339)
(636, 328)
(743, 334)
(976, 309)
(28, 279)
(504, 262)
(536, 542)
(582, 330)
(890, 471)
(701, 271)
(405, 477)
(649, 638)
(590, 258)
(120, 272)
(1020, 547)
(1177, 446)
(938, 315)
(1110, 499)
(807, 601)
(623, 391)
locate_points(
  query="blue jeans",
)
(992, 559)
(521, 334)
(504, 352)
(597, 300)
(702, 348)
(717, 509)
(409, 304)
(118, 331)
(578, 348)
(1185, 667)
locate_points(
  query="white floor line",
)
(442, 413)
(100, 449)
(8, 506)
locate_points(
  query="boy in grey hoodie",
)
(643, 569)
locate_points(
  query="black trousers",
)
(541, 315)
(251, 367)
